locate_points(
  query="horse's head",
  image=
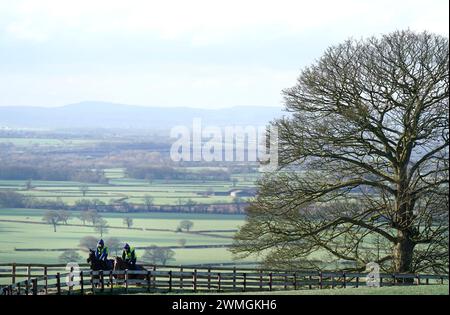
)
(91, 257)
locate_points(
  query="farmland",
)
(156, 205)
(133, 190)
(20, 235)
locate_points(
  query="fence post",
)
(71, 278)
(295, 281)
(357, 282)
(29, 273)
(170, 280)
(418, 279)
(181, 278)
(285, 282)
(92, 282)
(234, 278)
(209, 279)
(245, 281)
(111, 281)
(154, 277)
(46, 279)
(195, 280)
(442, 280)
(345, 280)
(58, 283)
(333, 283)
(270, 281)
(260, 279)
(18, 288)
(126, 280)
(149, 280)
(81, 283)
(102, 281)
(310, 283)
(13, 274)
(320, 280)
(219, 280)
(26, 287)
(35, 288)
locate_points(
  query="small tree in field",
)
(69, 256)
(148, 202)
(88, 242)
(93, 216)
(186, 225)
(158, 255)
(114, 244)
(128, 221)
(84, 216)
(52, 217)
(64, 216)
(101, 226)
(84, 189)
(182, 242)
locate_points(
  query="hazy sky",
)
(201, 53)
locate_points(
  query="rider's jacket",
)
(129, 255)
(102, 253)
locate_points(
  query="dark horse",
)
(97, 264)
(120, 264)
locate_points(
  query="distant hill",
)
(111, 115)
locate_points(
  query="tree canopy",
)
(363, 161)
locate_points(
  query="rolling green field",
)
(35, 236)
(133, 190)
(410, 290)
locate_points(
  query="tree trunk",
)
(403, 253)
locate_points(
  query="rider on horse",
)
(101, 253)
(129, 256)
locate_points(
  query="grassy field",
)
(406, 290)
(27, 235)
(411, 290)
(134, 190)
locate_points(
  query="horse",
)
(120, 264)
(97, 264)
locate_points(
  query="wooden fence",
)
(48, 279)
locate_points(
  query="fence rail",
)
(48, 279)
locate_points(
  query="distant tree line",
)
(12, 199)
(52, 173)
(170, 173)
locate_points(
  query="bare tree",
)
(84, 216)
(182, 242)
(101, 226)
(158, 255)
(64, 216)
(114, 244)
(88, 242)
(363, 153)
(186, 225)
(93, 216)
(84, 189)
(128, 221)
(69, 256)
(52, 217)
(148, 202)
